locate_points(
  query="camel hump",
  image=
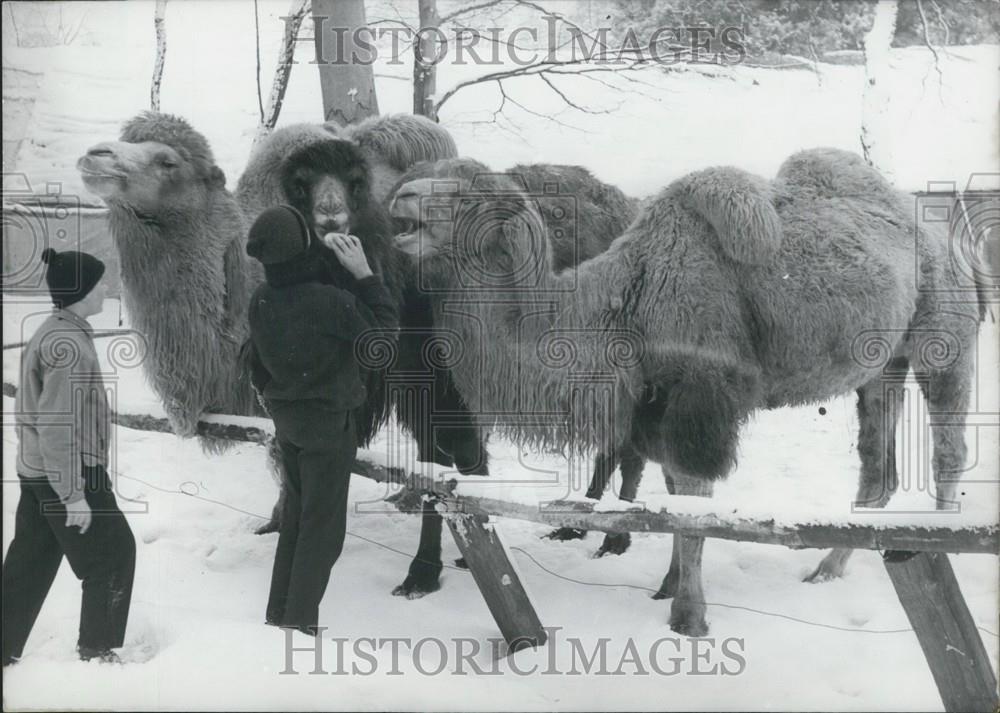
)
(402, 140)
(834, 173)
(740, 208)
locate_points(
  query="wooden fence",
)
(914, 557)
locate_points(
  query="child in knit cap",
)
(303, 332)
(67, 506)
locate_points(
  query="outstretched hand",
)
(348, 250)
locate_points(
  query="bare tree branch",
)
(875, 132)
(569, 101)
(286, 56)
(927, 40)
(472, 8)
(256, 27)
(941, 21)
(13, 24)
(160, 24)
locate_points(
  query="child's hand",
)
(78, 514)
(348, 250)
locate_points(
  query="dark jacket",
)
(303, 332)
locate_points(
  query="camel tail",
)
(739, 207)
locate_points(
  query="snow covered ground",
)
(201, 584)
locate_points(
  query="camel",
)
(582, 214)
(163, 189)
(181, 236)
(187, 280)
(727, 294)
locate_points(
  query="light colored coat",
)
(62, 415)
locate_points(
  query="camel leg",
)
(948, 393)
(687, 613)
(278, 470)
(668, 587)
(467, 447)
(425, 569)
(880, 404)
(604, 465)
(465, 444)
(631, 464)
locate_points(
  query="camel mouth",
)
(408, 243)
(405, 226)
(103, 185)
(98, 165)
(100, 177)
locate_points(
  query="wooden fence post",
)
(929, 592)
(497, 580)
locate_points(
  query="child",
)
(63, 425)
(302, 333)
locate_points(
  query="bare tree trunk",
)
(346, 76)
(875, 130)
(159, 22)
(424, 65)
(286, 58)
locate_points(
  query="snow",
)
(197, 619)
(196, 637)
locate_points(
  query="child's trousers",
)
(318, 445)
(103, 559)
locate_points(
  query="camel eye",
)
(167, 162)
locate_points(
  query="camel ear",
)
(216, 177)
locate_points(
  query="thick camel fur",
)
(581, 217)
(727, 294)
(187, 279)
(181, 237)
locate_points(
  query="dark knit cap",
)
(71, 275)
(278, 235)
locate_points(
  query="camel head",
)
(467, 225)
(329, 182)
(160, 165)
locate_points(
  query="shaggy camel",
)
(582, 215)
(187, 280)
(181, 235)
(727, 294)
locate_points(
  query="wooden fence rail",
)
(914, 556)
(984, 539)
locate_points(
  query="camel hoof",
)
(832, 566)
(823, 574)
(668, 588)
(688, 619)
(615, 543)
(461, 563)
(268, 527)
(564, 534)
(413, 588)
